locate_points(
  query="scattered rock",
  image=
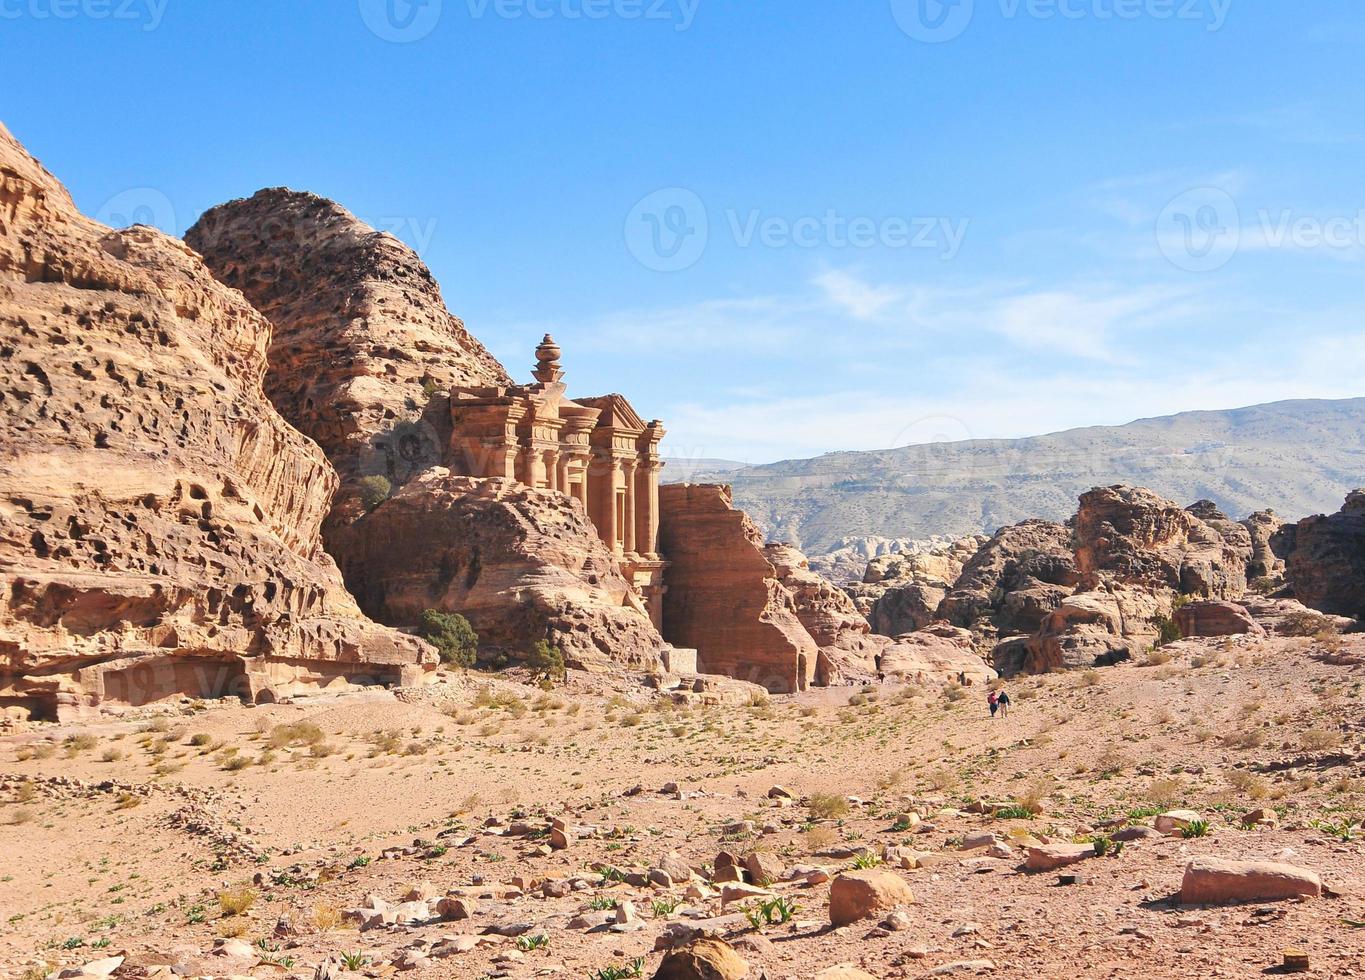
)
(856, 895)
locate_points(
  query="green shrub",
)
(1167, 631)
(451, 634)
(546, 661)
(374, 490)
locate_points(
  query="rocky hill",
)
(1296, 457)
(159, 522)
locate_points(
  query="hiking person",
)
(1004, 701)
(993, 702)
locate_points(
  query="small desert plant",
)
(635, 968)
(827, 806)
(527, 944)
(374, 490)
(546, 661)
(1320, 740)
(235, 901)
(1305, 622)
(865, 861)
(354, 962)
(295, 734)
(664, 907)
(201, 739)
(819, 838)
(452, 636)
(1167, 630)
(1196, 828)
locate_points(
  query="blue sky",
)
(784, 226)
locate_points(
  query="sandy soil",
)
(165, 833)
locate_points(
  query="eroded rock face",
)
(1134, 536)
(159, 521)
(1325, 558)
(724, 597)
(521, 564)
(902, 592)
(1265, 564)
(1014, 581)
(1216, 619)
(825, 611)
(364, 355)
(363, 341)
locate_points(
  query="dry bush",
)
(1163, 716)
(827, 806)
(1249, 784)
(888, 781)
(236, 900)
(326, 916)
(1089, 678)
(1035, 792)
(942, 779)
(1251, 738)
(819, 838)
(1320, 740)
(954, 691)
(1113, 760)
(298, 733)
(1167, 791)
(1158, 657)
(21, 815)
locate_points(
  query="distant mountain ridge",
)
(1296, 457)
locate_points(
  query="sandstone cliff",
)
(159, 522)
(724, 598)
(1325, 558)
(364, 354)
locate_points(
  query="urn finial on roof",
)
(547, 361)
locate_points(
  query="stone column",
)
(564, 473)
(650, 534)
(551, 457)
(628, 473)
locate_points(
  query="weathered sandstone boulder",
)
(1213, 881)
(1050, 857)
(1034, 560)
(724, 598)
(1216, 619)
(159, 521)
(1325, 558)
(1086, 630)
(901, 592)
(857, 895)
(521, 564)
(1265, 565)
(704, 959)
(1136, 537)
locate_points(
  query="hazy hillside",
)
(1298, 457)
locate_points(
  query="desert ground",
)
(212, 839)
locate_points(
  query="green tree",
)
(374, 490)
(451, 634)
(547, 661)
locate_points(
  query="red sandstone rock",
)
(825, 611)
(1216, 619)
(1325, 557)
(1211, 881)
(724, 598)
(856, 895)
(159, 521)
(520, 564)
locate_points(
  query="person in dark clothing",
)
(1004, 701)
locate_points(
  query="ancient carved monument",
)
(596, 450)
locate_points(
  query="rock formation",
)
(902, 592)
(825, 611)
(1014, 581)
(724, 598)
(159, 522)
(518, 562)
(1325, 558)
(368, 360)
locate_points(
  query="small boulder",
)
(1213, 881)
(857, 895)
(1049, 857)
(764, 867)
(704, 959)
(1173, 823)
